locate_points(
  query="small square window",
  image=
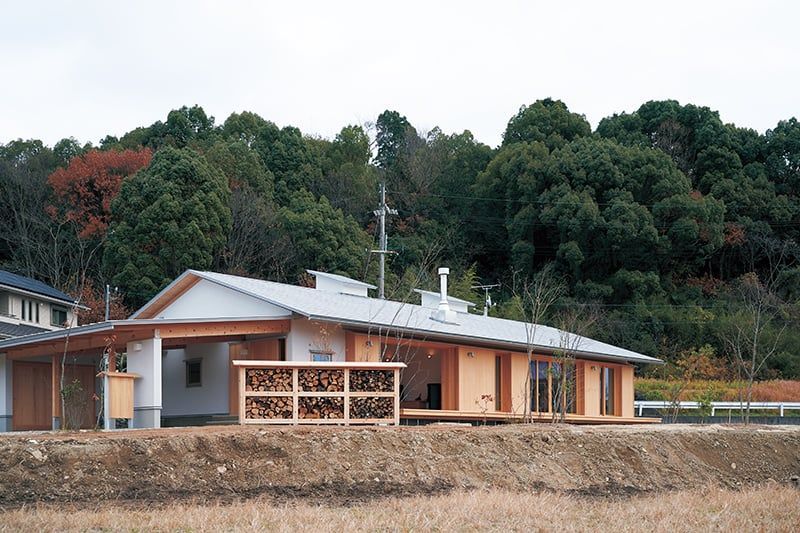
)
(194, 372)
(321, 357)
(58, 316)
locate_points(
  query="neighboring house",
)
(458, 365)
(29, 306)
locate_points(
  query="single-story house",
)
(198, 347)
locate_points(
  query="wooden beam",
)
(215, 329)
(79, 343)
(177, 342)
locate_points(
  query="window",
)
(319, 357)
(607, 390)
(194, 372)
(5, 309)
(30, 311)
(58, 316)
(282, 349)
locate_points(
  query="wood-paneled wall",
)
(361, 348)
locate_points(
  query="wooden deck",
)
(455, 416)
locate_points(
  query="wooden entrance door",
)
(32, 396)
(33, 393)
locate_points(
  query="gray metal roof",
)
(374, 313)
(449, 298)
(31, 285)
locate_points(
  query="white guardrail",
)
(640, 405)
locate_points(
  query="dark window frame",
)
(54, 309)
(189, 363)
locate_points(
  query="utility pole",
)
(108, 300)
(487, 300)
(381, 213)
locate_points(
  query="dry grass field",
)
(769, 507)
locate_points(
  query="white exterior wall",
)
(144, 358)
(211, 300)
(15, 309)
(211, 398)
(306, 335)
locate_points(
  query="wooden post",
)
(55, 388)
(112, 359)
(346, 396)
(396, 396)
(242, 413)
(295, 396)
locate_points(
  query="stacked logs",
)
(268, 379)
(313, 408)
(268, 407)
(321, 380)
(371, 380)
(371, 408)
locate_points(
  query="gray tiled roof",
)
(32, 285)
(374, 313)
(13, 330)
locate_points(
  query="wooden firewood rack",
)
(347, 395)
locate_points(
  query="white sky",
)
(87, 69)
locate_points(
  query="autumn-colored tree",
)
(93, 298)
(84, 190)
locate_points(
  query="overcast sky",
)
(88, 69)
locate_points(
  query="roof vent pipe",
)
(444, 313)
(443, 305)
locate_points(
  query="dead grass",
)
(765, 508)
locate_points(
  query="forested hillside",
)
(666, 220)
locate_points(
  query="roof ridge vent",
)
(340, 284)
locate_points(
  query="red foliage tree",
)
(94, 299)
(84, 190)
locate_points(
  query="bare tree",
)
(255, 246)
(575, 324)
(753, 333)
(533, 299)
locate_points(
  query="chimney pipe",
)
(443, 305)
(444, 313)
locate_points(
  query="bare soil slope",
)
(359, 464)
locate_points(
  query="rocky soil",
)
(357, 464)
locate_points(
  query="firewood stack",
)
(268, 379)
(321, 380)
(268, 407)
(371, 381)
(371, 408)
(312, 408)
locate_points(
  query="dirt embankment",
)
(359, 464)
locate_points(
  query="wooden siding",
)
(362, 348)
(591, 389)
(476, 375)
(450, 379)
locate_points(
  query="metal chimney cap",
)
(444, 270)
